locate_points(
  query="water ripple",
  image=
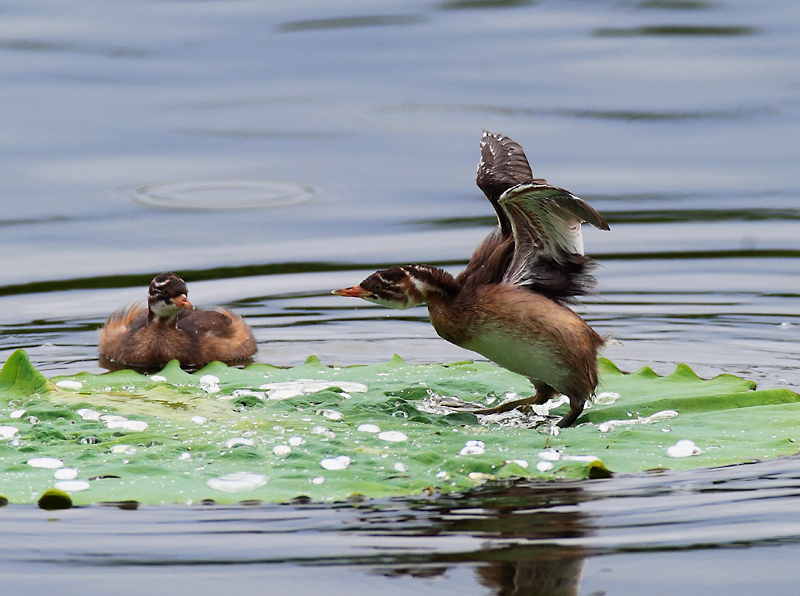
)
(223, 194)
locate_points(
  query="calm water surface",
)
(270, 152)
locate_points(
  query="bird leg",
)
(575, 410)
(543, 393)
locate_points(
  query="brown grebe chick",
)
(170, 328)
(510, 303)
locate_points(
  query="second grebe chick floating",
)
(170, 328)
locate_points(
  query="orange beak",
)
(182, 301)
(354, 292)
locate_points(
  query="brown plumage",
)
(510, 302)
(169, 328)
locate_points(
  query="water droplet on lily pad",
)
(247, 392)
(400, 467)
(281, 450)
(480, 477)
(236, 482)
(331, 414)
(158, 378)
(72, 486)
(335, 463)
(393, 436)
(296, 441)
(289, 389)
(65, 474)
(238, 441)
(77, 385)
(473, 448)
(545, 466)
(209, 384)
(369, 428)
(6, 432)
(550, 455)
(199, 419)
(132, 425)
(121, 448)
(46, 462)
(17, 414)
(606, 398)
(111, 417)
(683, 448)
(323, 431)
(317, 480)
(88, 414)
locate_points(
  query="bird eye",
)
(377, 287)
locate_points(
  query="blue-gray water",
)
(270, 152)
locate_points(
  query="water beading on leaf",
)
(329, 432)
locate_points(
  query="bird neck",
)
(163, 312)
(489, 261)
(431, 285)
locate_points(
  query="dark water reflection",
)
(531, 538)
(678, 120)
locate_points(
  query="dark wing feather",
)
(503, 165)
(548, 245)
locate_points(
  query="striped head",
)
(167, 296)
(403, 287)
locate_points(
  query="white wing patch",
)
(546, 222)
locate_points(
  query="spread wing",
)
(503, 165)
(548, 246)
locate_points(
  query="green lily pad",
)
(329, 433)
